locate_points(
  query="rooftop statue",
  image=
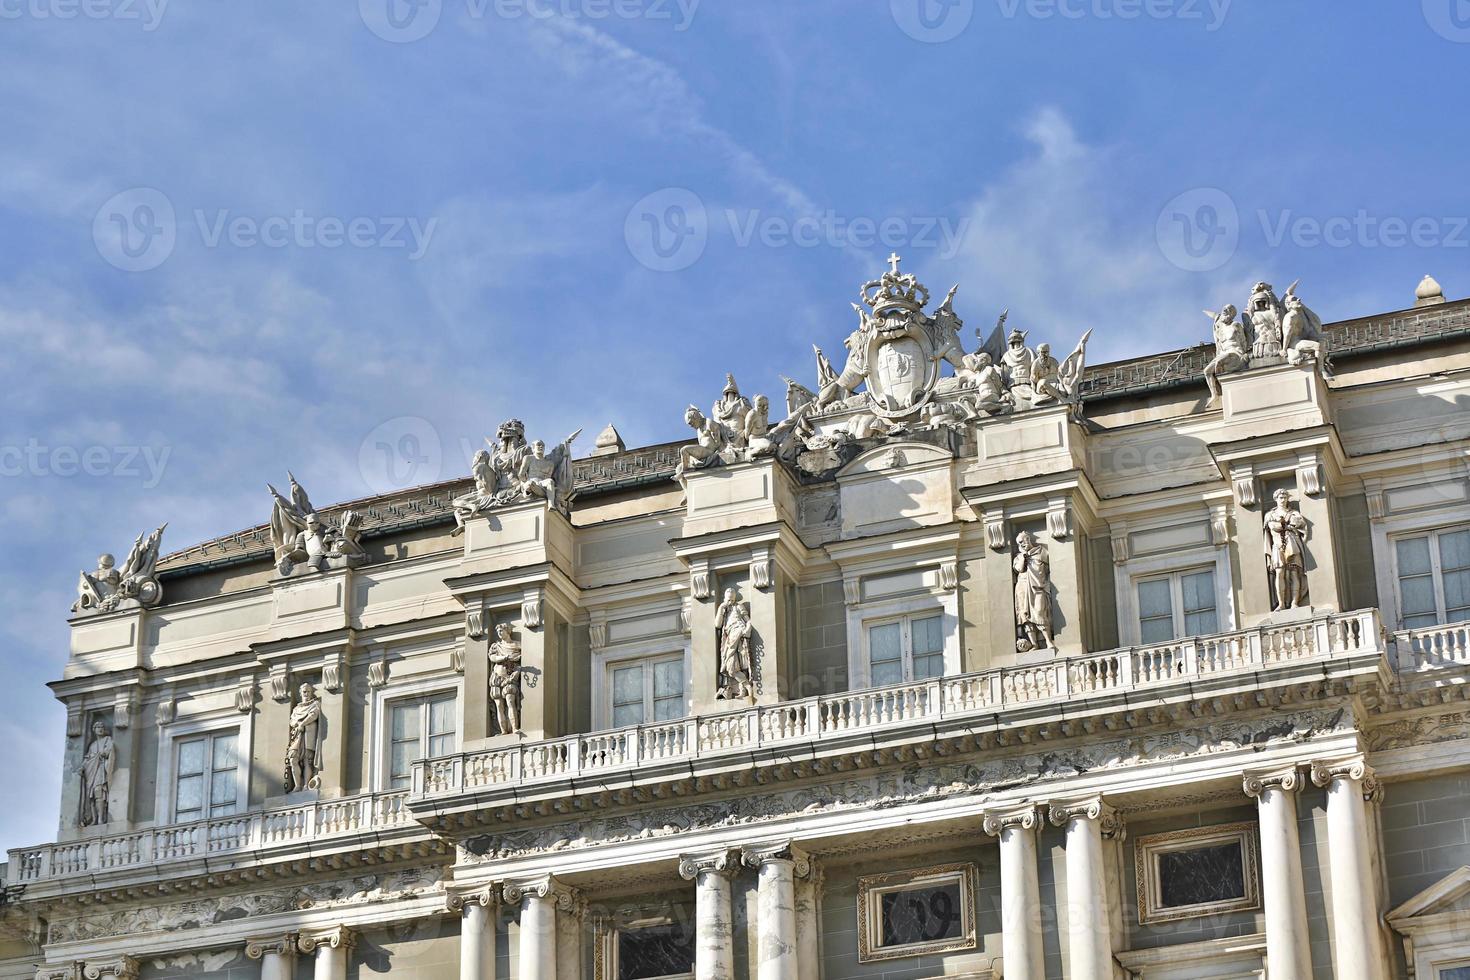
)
(512, 471)
(134, 585)
(301, 538)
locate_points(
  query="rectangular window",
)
(647, 691)
(1177, 605)
(916, 913)
(419, 728)
(206, 776)
(1197, 872)
(1434, 578)
(907, 649)
(1455, 973)
(645, 949)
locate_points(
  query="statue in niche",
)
(98, 765)
(1032, 565)
(1286, 549)
(301, 538)
(1232, 348)
(733, 630)
(136, 583)
(304, 743)
(505, 681)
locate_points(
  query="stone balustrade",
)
(1433, 647)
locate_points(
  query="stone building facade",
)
(981, 663)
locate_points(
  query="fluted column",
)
(478, 912)
(332, 948)
(777, 867)
(538, 899)
(277, 955)
(1288, 953)
(1089, 931)
(1020, 891)
(1356, 933)
(714, 938)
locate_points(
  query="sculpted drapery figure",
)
(1232, 347)
(300, 537)
(98, 765)
(108, 588)
(505, 680)
(513, 471)
(304, 743)
(1032, 565)
(1286, 549)
(712, 438)
(549, 475)
(733, 630)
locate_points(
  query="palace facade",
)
(980, 663)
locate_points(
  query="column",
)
(1089, 935)
(478, 913)
(277, 955)
(714, 949)
(333, 947)
(538, 899)
(1288, 953)
(1356, 932)
(571, 913)
(777, 866)
(118, 968)
(1020, 892)
(809, 924)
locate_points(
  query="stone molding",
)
(279, 944)
(121, 967)
(725, 861)
(1256, 782)
(336, 937)
(1355, 769)
(1025, 816)
(756, 855)
(547, 887)
(1095, 808)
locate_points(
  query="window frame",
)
(1177, 613)
(647, 650)
(1432, 535)
(425, 734)
(605, 948)
(172, 737)
(872, 888)
(915, 588)
(380, 727)
(1210, 551)
(905, 622)
(206, 775)
(1150, 889)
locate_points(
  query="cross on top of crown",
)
(893, 261)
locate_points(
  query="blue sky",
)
(237, 238)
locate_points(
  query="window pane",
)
(1417, 595)
(402, 761)
(191, 757)
(668, 709)
(1198, 591)
(1455, 973)
(442, 717)
(1417, 622)
(1413, 556)
(222, 790)
(224, 752)
(919, 915)
(668, 679)
(628, 685)
(885, 654)
(1456, 594)
(405, 723)
(189, 797)
(1214, 873)
(1454, 550)
(929, 665)
(627, 714)
(1153, 599)
(441, 745)
(928, 636)
(657, 951)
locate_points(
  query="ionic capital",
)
(1288, 779)
(547, 887)
(1355, 769)
(279, 944)
(1110, 824)
(998, 821)
(725, 862)
(121, 968)
(486, 897)
(336, 937)
(59, 971)
(760, 854)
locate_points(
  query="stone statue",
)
(505, 681)
(98, 765)
(731, 409)
(135, 584)
(1054, 382)
(479, 499)
(1032, 565)
(300, 537)
(1286, 549)
(304, 744)
(1232, 348)
(1018, 360)
(547, 475)
(513, 471)
(733, 629)
(992, 394)
(1301, 330)
(1265, 313)
(713, 440)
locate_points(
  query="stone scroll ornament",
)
(135, 585)
(505, 681)
(513, 471)
(301, 539)
(304, 743)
